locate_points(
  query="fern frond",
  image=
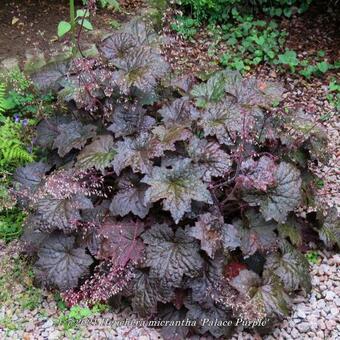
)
(2, 97)
(13, 151)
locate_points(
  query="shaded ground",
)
(33, 24)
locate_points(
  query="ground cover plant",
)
(176, 196)
(222, 10)
(245, 34)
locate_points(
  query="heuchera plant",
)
(180, 199)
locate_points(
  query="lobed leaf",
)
(130, 119)
(73, 135)
(258, 175)
(214, 234)
(147, 292)
(119, 241)
(268, 296)
(29, 177)
(210, 159)
(61, 263)
(130, 197)
(330, 230)
(179, 113)
(177, 187)
(98, 154)
(257, 235)
(283, 197)
(291, 267)
(171, 255)
(223, 120)
(62, 213)
(137, 153)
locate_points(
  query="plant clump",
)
(182, 203)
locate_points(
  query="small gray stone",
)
(320, 334)
(337, 302)
(321, 324)
(303, 327)
(294, 333)
(54, 335)
(47, 324)
(330, 324)
(321, 304)
(334, 311)
(330, 296)
(10, 64)
(301, 313)
(30, 326)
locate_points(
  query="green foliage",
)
(2, 97)
(222, 10)
(290, 59)
(114, 24)
(186, 27)
(333, 95)
(313, 256)
(306, 67)
(80, 18)
(22, 98)
(13, 151)
(11, 224)
(111, 4)
(251, 42)
(69, 319)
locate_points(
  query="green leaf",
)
(177, 187)
(283, 197)
(171, 255)
(289, 58)
(86, 24)
(287, 12)
(323, 66)
(82, 13)
(212, 91)
(63, 28)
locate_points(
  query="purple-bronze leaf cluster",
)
(182, 204)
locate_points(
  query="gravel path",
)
(32, 314)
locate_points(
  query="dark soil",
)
(33, 24)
